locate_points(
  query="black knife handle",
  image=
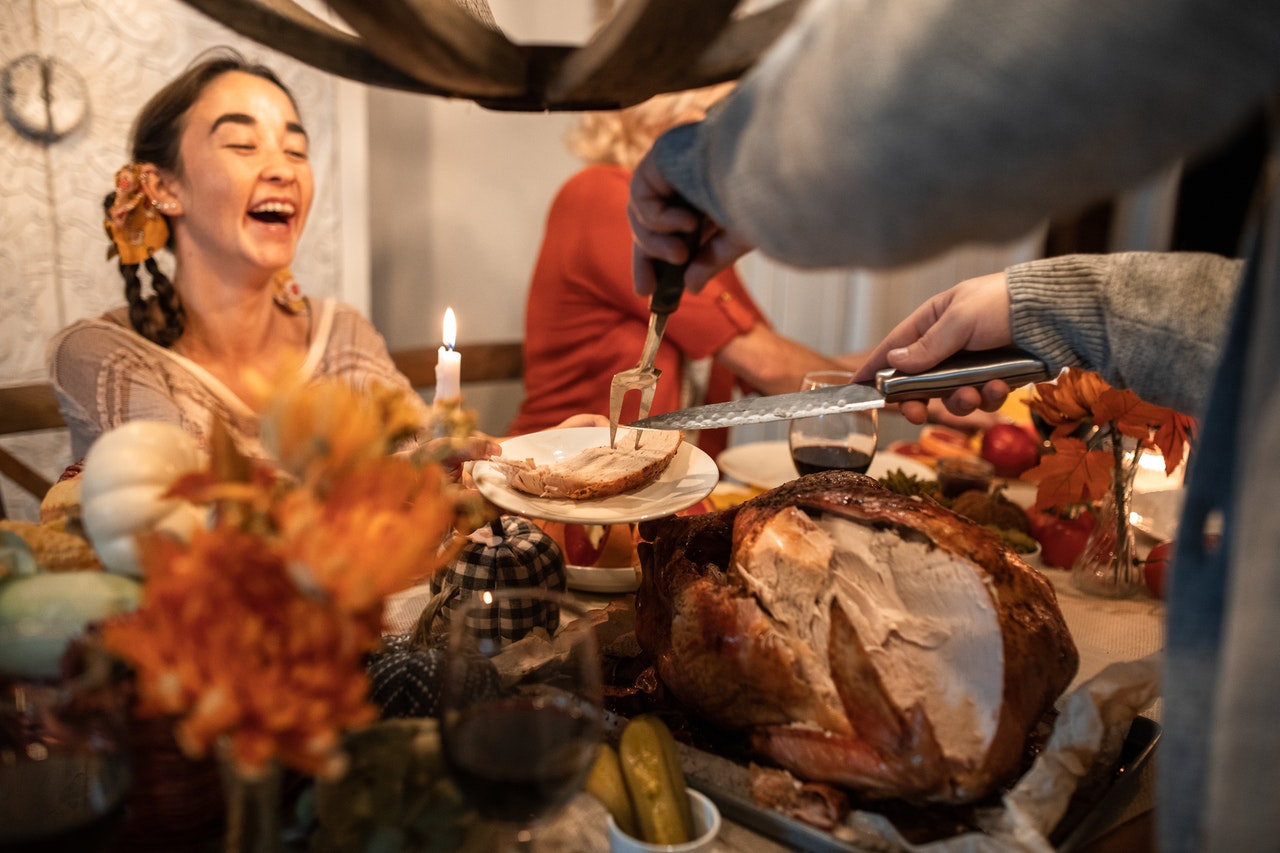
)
(670, 277)
(669, 289)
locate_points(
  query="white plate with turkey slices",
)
(767, 464)
(688, 479)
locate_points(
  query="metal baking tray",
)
(1083, 820)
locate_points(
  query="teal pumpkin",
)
(41, 613)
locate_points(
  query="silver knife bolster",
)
(1015, 367)
(649, 354)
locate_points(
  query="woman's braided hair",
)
(157, 138)
(159, 317)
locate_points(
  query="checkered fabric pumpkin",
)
(508, 552)
(407, 680)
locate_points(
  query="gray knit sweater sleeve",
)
(1152, 322)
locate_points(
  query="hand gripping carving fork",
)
(644, 376)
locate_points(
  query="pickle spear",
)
(651, 766)
(606, 784)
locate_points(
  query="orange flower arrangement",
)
(1082, 470)
(253, 633)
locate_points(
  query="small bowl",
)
(706, 822)
(960, 474)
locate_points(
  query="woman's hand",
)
(973, 315)
(453, 453)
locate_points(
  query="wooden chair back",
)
(26, 408)
(495, 362)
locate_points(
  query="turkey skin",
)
(857, 636)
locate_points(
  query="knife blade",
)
(1013, 365)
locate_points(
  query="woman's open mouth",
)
(273, 212)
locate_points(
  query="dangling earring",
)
(288, 293)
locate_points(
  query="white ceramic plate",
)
(599, 579)
(688, 479)
(767, 464)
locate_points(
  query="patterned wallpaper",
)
(111, 56)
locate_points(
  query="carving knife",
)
(1014, 366)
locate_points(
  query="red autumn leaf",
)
(1079, 397)
(1068, 400)
(1119, 405)
(1167, 429)
(1071, 474)
(1064, 430)
(1134, 417)
(1172, 438)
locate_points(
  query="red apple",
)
(609, 545)
(1155, 567)
(1061, 539)
(1010, 448)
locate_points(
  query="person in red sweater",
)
(584, 322)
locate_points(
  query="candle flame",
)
(450, 329)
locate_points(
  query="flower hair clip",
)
(136, 230)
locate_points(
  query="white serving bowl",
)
(706, 822)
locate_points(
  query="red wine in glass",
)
(843, 441)
(519, 748)
(521, 758)
(812, 458)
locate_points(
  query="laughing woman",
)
(220, 176)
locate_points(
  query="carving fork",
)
(644, 376)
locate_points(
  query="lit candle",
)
(449, 363)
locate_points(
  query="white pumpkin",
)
(126, 472)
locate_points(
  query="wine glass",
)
(520, 730)
(844, 442)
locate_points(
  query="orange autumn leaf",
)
(1126, 409)
(387, 507)
(1071, 474)
(1081, 398)
(1132, 416)
(1068, 401)
(216, 642)
(320, 430)
(253, 634)
(1172, 437)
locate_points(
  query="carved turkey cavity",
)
(925, 618)
(860, 637)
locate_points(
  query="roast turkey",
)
(859, 637)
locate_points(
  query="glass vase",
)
(253, 807)
(1108, 566)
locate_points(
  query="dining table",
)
(1105, 630)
